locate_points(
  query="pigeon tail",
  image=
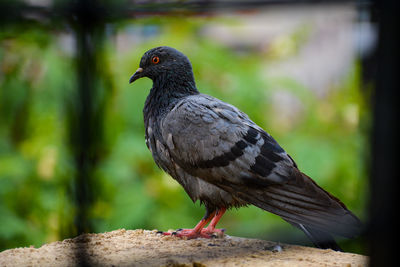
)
(320, 239)
(304, 204)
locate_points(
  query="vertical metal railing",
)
(87, 19)
(385, 138)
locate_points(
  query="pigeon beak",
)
(136, 75)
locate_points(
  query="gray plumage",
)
(224, 160)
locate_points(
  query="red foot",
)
(199, 230)
(192, 234)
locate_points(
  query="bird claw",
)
(215, 233)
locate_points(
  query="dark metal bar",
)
(111, 11)
(385, 140)
(86, 17)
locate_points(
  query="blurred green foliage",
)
(328, 138)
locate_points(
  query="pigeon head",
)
(167, 67)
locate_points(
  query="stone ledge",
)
(147, 248)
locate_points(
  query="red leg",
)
(211, 230)
(197, 231)
(200, 231)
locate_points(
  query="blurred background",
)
(72, 152)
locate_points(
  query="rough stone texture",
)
(147, 248)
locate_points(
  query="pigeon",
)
(224, 160)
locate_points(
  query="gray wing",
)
(214, 141)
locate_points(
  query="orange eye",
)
(155, 60)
